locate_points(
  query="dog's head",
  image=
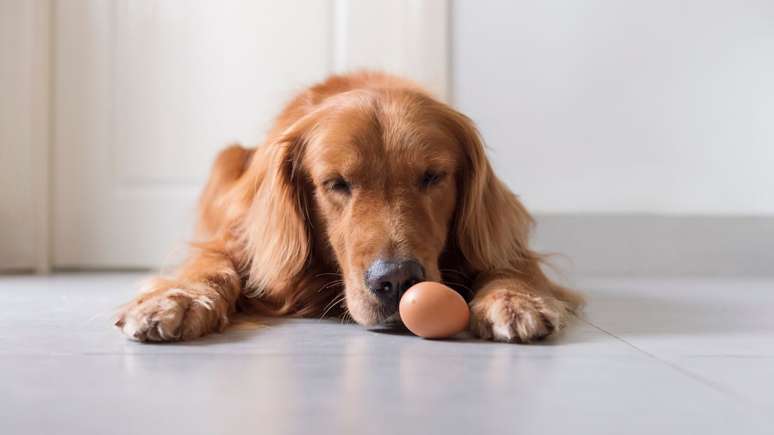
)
(379, 184)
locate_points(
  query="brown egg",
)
(432, 310)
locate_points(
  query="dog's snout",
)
(389, 279)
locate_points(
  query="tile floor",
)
(666, 356)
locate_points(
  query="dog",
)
(365, 185)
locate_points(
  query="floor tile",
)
(721, 331)
(642, 359)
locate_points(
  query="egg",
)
(433, 310)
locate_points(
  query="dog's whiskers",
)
(454, 271)
(330, 284)
(319, 275)
(345, 316)
(461, 286)
(332, 304)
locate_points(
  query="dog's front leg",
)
(515, 308)
(193, 303)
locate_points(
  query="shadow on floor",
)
(242, 328)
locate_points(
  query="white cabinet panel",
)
(146, 93)
(24, 84)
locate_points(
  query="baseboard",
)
(641, 244)
(651, 245)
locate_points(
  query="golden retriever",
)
(365, 185)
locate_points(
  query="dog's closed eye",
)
(431, 178)
(339, 185)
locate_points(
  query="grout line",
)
(707, 382)
(762, 411)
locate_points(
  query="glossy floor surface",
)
(672, 356)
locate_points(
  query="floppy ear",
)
(276, 228)
(492, 226)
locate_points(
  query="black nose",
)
(389, 279)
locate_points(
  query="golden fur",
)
(359, 167)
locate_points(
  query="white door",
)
(146, 92)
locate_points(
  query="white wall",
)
(606, 106)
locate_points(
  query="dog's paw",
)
(172, 314)
(507, 315)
